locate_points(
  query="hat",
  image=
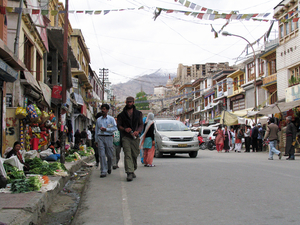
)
(259, 124)
(289, 118)
(130, 99)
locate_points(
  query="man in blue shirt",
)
(105, 127)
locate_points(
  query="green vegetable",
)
(26, 185)
(44, 168)
(13, 172)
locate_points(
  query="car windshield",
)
(171, 126)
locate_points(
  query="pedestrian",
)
(147, 141)
(141, 149)
(233, 139)
(117, 148)
(70, 130)
(130, 124)
(89, 137)
(219, 139)
(260, 136)
(227, 139)
(105, 127)
(238, 140)
(272, 135)
(83, 136)
(291, 132)
(95, 145)
(254, 135)
(247, 138)
(77, 136)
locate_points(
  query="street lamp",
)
(225, 33)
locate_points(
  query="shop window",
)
(294, 76)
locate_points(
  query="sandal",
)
(150, 165)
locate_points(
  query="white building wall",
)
(287, 56)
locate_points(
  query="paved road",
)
(214, 188)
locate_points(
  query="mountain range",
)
(144, 83)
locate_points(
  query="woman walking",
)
(77, 136)
(147, 141)
(219, 139)
(232, 132)
(238, 140)
(227, 139)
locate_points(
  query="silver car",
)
(172, 136)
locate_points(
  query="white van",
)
(205, 131)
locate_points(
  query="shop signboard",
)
(12, 127)
(211, 121)
(292, 93)
(84, 110)
(57, 92)
(75, 82)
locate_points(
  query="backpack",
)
(239, 135)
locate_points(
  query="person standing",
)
(219, 139)
(77, 136)
(94, 141)
(105, 127)
(70, 131)
(254, 135)
(247, 138)
(238, 140)
(272, 135)
(233, 139)
(147, 141)
(83, 136)
(260, 136)
(117, 147)
(227, 139)
(89, 137)
(130, 124)
(291, 132)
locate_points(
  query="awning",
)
(46, 90)
(242, 113)
(279, 107)
(28, 79)
(78, 98)
(7, 73)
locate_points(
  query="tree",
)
(141, 96)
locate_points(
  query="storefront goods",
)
(21, 113)
(32, 183)
(38, 166)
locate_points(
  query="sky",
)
(130, 43)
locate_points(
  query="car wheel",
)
(158, 154)
(172, 154)
(193, 154)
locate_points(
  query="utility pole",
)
(64, 82)
(104, 73)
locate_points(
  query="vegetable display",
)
(26, 185)
(38, 166)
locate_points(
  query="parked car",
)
(172, 136)
(206, 131)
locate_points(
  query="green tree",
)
(141, 96)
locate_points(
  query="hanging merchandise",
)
(45, 116)
(52, 117)
(22, 134)
(28, 136)
(53, 127)
(21, 113)
(48, 123)
(32, 113)
(38, 111)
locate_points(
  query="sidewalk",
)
(29, 208)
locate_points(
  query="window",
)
(287, 30)
(205, 84)
(28, 46)
(272, 67)
(38, 67)
(294, 76)
(220, 86)
(273, 98)
(235, 83)
(251, 71)
(224, 85)
(261, 67)
(281, 31)
(206, 101)
(242, 80)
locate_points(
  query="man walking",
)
(290, 138)
(105, 127)
(83, 136)
(254, 135)
(130, 124)
(272, 135)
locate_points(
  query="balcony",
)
(270, 79)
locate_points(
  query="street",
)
(214, 188)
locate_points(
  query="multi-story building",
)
(236, 94)
(288, 51)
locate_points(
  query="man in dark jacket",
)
(291, 132)
(130, 125)
(254, 135)
(83, 136)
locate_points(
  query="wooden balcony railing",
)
(270, 79)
